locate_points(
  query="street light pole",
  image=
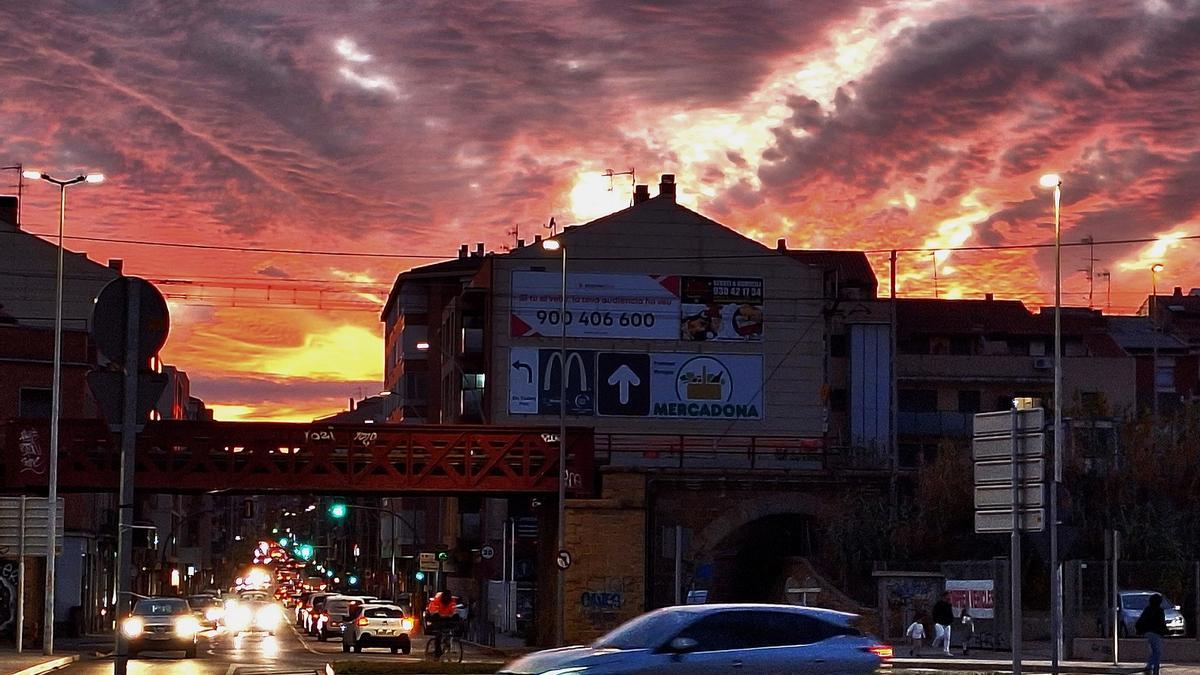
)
(1056, 637)
(1154, 270)
(56, 399)
(560, 622)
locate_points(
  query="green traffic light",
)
(283, 541)
(353, 580)
(306, 551)
(443, 555)
(420, 576)
(329, 573)
(338, 510)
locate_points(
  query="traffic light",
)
(443, 556)
(419, 576)
(306, 551)
(337, 510)
(329, 573)
(352, 580)
(283, 541)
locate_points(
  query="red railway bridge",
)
(258, 457)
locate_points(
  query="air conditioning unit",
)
(1043, 363)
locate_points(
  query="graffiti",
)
(601, 602)
(33, 460)
(8, 595)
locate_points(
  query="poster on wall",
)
(706, 386)
(623, 306)
(721, 308)
(628, 384)
(977, 596)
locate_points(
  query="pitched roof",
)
(929, 316)
(853, 268)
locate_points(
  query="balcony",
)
(950, 424)
(974, 368)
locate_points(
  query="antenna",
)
(552, 226)
(936, 295)
(515, 231)
(610, 173)
(1090, 270)
(1108, 297)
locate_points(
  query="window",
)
(384, 613)
(1164, 374)
(917, 400)
(723, 631)
(779, 629)
(969, 402)
(34, 403)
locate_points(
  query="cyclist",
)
(441, 620)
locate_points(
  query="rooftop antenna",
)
(936, 294)
(552, 226)
(515, 231)
(1090, 270)
(632, 180)
(1108, 296)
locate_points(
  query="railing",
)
(257, 456)
(681, 451)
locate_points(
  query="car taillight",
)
(360, 621)
(406, 624)
(884, 652)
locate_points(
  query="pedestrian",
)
(916, 634)
(1153, 624)
(943, 618)
(968, 628)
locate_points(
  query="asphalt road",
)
(220, 653)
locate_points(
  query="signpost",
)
(24, 522)
(1019, 473)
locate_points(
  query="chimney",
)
(8, 210)
(116, 264)
(537, 238)
(989, 297)
(666, 186)
(1178, 292)
(520, 243)
(781, 245)
(479, 249)
(462, 251)
(641, 193)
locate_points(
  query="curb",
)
(948, 666)
(47, 666)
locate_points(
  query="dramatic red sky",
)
(406, 128)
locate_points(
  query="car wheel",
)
(190, 653)
(358, 649)
(395, 650)
(133, 653)
(407, 649)
(321, 637)
(345, 648)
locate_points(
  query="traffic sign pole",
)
(1015, 545)
(125, 502)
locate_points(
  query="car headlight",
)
(187, 626)
(268, 617)
(214, 613)
(238, 618)
(132, 627)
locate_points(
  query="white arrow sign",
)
(624, 377)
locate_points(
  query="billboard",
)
(720, 308)
(626, 384)
(624, 306)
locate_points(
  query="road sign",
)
(111, 311)
(1000, 496)
(428, 562)
(1031, 420)
(487, 552)
(1032, 520)
(36, 524)
(563, 560)
(1000, 472)
(1000, 447)
(623, 384)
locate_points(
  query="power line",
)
(769, 253)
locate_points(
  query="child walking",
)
(916, 634)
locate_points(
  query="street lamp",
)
(1054, 181)
(1154, 270)
(56, 395)
(559, 626)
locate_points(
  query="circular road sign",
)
(487, 552)
(563, 560)
(110, 317)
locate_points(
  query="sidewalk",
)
(32, 662)
(997, 664)
(506, 647)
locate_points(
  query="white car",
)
(733, 638)
(375, 625)
(337, 610)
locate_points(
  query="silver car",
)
(741, 638)
(1132, 604)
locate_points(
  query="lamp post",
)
(56, 396)
(560, 623)
(1154, 270)
(1048, 181)
(395, 517)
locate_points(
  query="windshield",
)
(161, 607)
(203, 601)
(646, 631)
(1138, 601)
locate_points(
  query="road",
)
(255, 654)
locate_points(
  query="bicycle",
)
(443, 645)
